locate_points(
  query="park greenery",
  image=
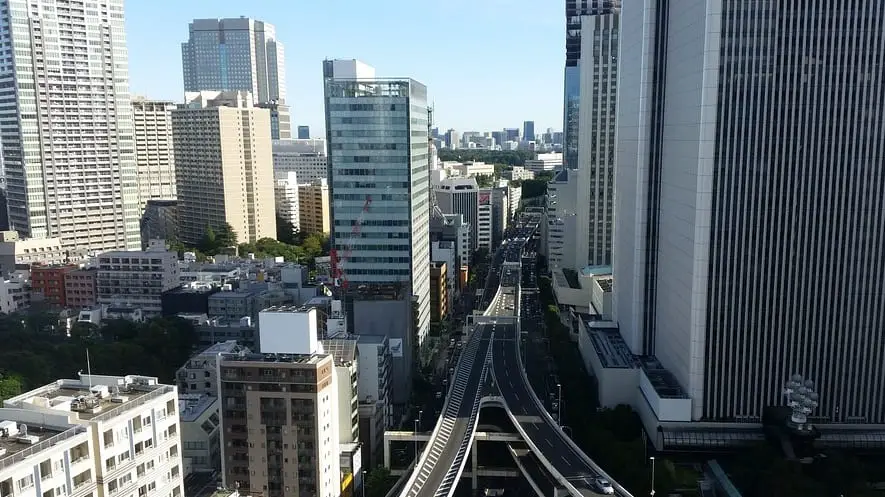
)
(38, 349)
(291, 245)
(503, 157)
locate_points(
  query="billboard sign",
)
(396, 347)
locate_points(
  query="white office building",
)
(96, 435)
(377, 135)
(597, 136)
(544, 163)
(306, 158)
(459, 195)
(66, 124)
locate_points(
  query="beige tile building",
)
(279, 422)
(223, 166)
(313, 206)
(154, 155)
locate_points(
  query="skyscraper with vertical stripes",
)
(750, 205)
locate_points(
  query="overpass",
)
(492, 357)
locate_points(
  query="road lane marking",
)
(548, 442)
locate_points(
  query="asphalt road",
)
(456, 419)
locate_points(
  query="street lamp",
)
(652, 459)
(559, 396)
(417, 425)
(364, 483)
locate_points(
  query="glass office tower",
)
(379, 183)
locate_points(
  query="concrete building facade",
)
(154, 154)
(313, 206)
(286, 198)
(137, 279)
(69, 164)
(306, 158)
(224, 167)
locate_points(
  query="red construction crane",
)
(338, 274)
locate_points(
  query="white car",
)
(603, 486)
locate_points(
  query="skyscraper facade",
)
(224, 166)
(528, 130)
(574, 9)
(303, 132)
(749, 207)
(597, 120)
(238, 54)
(154, 155)
(66, 124)
(379, 183)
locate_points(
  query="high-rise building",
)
(574, 9)
(453, 139)
(306, 158)
(234, 54)
(313, 206)
(511, 134)
(749, 162)
(69, 162)
(286, 198)
(154, 155)
(224, 167)
(378, 163)
(280, 120)
(459, 195)
(303, 132)
(528, 130)
(98, 435)
(597, 121)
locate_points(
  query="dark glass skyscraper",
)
(750, 205)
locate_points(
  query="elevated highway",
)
(492, 355)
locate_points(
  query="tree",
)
(378, 482)
(214, 240)
(226, 236)
(10, 386)
(533, 188)
(483, 181)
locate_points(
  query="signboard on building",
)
(485, 198)
(396, 347)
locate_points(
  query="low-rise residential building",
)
(137, 279)
(132, 442)
(446, 253)
(517, 173)
(544, 163)
(80, 290)
(21, 253)
(48, 284)
(15, 294)
(375, 405)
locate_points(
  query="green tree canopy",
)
(504, 157)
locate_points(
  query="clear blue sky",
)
(488, 64)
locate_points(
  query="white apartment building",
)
(544, 162)
(15, 294)
(518, 173)
(223, 166)
(154, 156)
(15, 251)
(93, 436)
(137, 279)
(66, 125)
(286, 198)
(306, 158)
(469, 168)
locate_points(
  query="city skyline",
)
(156, 30)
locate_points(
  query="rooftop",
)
(289, 308)
(605, 283)
(192, 406)
(277, 358)
(343, 350)
(374, 339)
(92, 398)
(661, 379)
(610, 347)
(19, 440)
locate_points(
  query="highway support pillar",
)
(474, 465)
(387, 454)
